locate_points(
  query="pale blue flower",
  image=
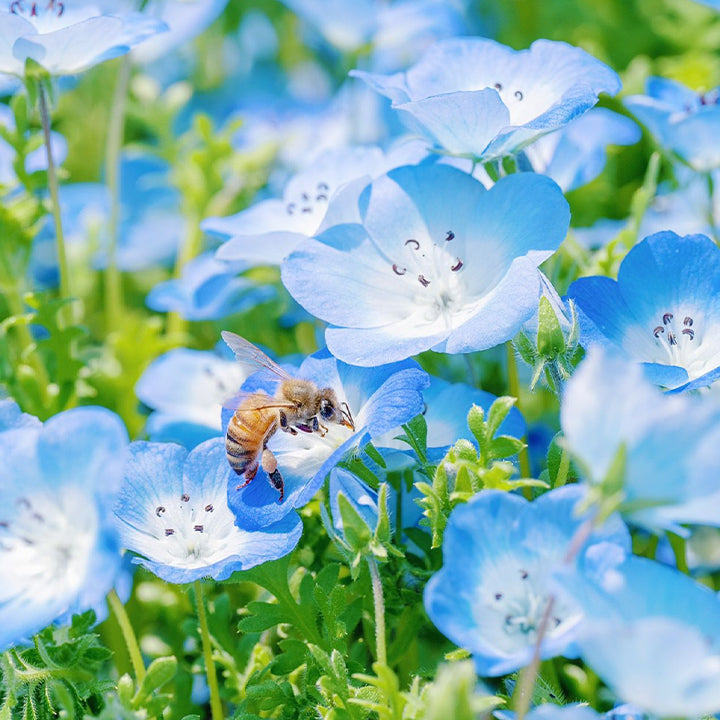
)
(379, 399)
(67, 38)
(662, 311)
(439, 262)
(669, 442)
(185, 389)
(208, 289)
(172, 511)
(683, 121)
(268, 231)
(477, 98)
(575, 155)
(499, 553)
(11, 417)
(59, 553)
(446, 409)
(652, 634)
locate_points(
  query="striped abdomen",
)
(248, 429)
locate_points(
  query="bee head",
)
(333, 411)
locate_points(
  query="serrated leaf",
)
(264, 616)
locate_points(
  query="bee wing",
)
(234, 402)
(247, 353)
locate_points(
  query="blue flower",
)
(669, 442)
(439, 263)
(59, 553)
(67, 38)
(683, 121)
(184, 20)
(379, 399)
(270, 230)
(446, 409)
(575, 155)
(499, 553)
(549, 711)
(477, 98)
(186, 389)
(172, 511)
(653, 635)
(363, 499)
(11, 417)
(662, 311)
(209, 289)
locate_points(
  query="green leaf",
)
(498, 412)
(550, 338)
(505, 447)
(525, 348)
(161, 671)
(416, 436)
(476, 423)
(263, 617)
(355, 530)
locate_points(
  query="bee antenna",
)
(348, 415)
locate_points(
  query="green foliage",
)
(60, 673)
(467, 469)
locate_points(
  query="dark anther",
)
(323, 187)
(290, 208)
(38, 517)
(33, 10)
(450, 236)
(185, 497)
(305, 197)
(198, 528)
(16, 7)
(423, 280)
(524, 574)
(23, 503)
(690, 333)
(658, 331)
(413, 242)
(321, 196)
(667, 317)
(169, 532)
(399, 271)
(209, 508)
(498, 86)
(688, 321)
(508, 619)
(307, 209)
(498, 596)
(457, 265)
(518, 95)
(557, 621)
(4, 524)
(159, 510)
(672, 339)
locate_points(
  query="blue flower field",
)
(359, 360)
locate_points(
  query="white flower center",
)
(46, 541)
(680, 339)
(512, 603)
(435, 275)
(191, 531)
(308, 206)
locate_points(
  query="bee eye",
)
(326, 409)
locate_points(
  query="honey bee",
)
(297, 406)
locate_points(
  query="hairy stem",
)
(113, 282)
(379, 602)
(215, 703)
(526, 681)
(65, 287)
(514, 386)
(126, 627)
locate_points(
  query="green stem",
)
(678, 545)
(131, 642)
(215, 703)
(188, 250)
(514, 386)
(379, 602)
(113, 282)
(65, 291)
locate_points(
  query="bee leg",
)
(250, 473)
(317, 427)
(284, 424)
(269, 465)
